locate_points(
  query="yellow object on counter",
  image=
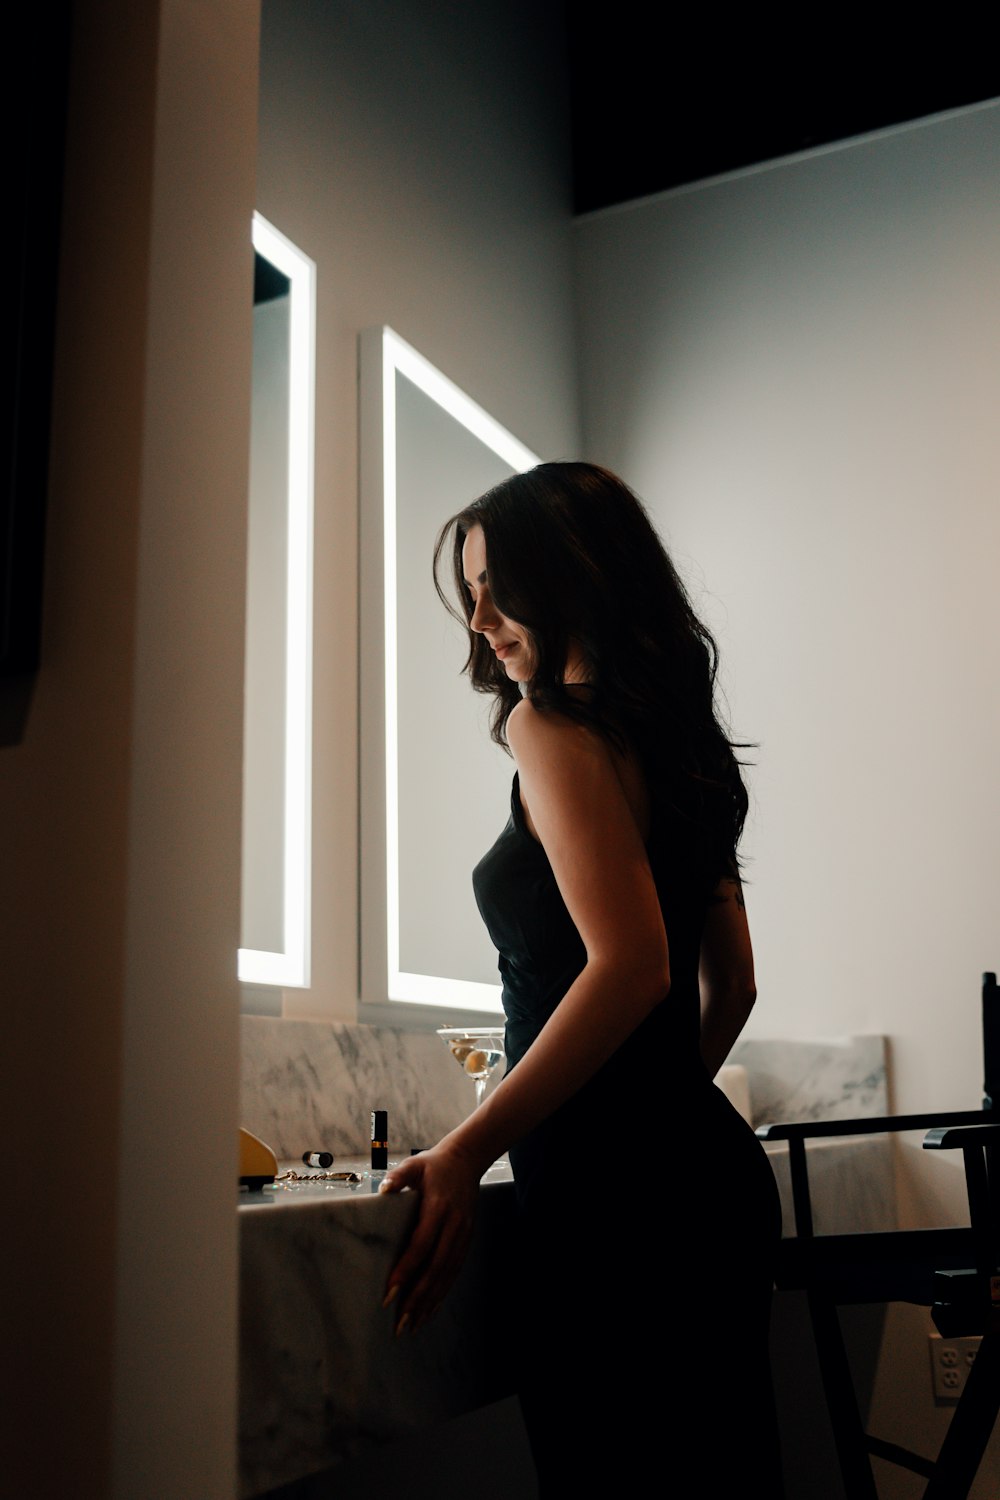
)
(258, 1163)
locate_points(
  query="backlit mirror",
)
(274, 940)
(435, 790)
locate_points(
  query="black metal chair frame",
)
(954, 1271)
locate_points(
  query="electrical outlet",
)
(951, 1361)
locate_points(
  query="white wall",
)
(420, 155)
(798, 369)
(176, 1265)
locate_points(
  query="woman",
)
(648, 1214)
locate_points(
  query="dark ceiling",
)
(659, 100)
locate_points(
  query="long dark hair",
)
(572, 555)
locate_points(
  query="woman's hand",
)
(448, 1183)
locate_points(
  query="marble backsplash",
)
(311, 1085)
(832, 1079)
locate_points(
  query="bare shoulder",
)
(564, 767)
(537, 734)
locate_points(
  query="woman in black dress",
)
(648, 1213)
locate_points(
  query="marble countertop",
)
(323, 1376)
(850, 1178)
(314, 1187)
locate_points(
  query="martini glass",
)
(479, 1051)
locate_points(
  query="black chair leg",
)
(842, 1402)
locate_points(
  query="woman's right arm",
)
(725, 973)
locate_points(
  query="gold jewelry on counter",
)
(292, 1176)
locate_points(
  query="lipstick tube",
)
(380, 1140)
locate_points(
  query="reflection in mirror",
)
(435, 789)
(274, 941)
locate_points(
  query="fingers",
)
(420, 1246)
(418, 1255)
(448, 1193)
(426, 1271)
(422, 1293)
(407, 1174)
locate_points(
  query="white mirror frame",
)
(383, 354)
(290, 967)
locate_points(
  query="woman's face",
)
(512, 643)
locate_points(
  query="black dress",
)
(648, 1214)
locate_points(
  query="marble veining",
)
(311, 1085)
(833, 1079)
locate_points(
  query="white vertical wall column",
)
(175, 1334)
(120, 810)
